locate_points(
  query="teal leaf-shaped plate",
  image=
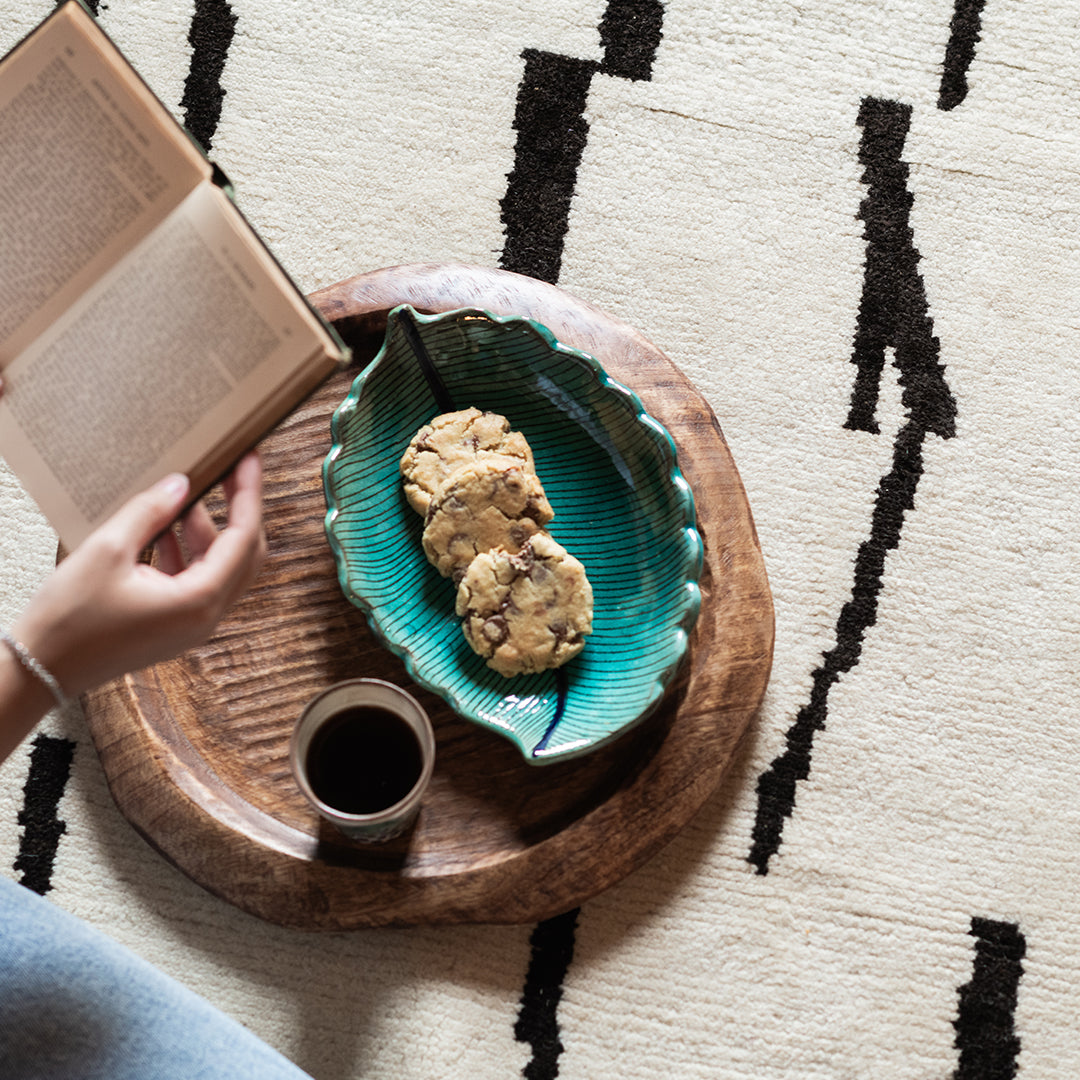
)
(621, 506)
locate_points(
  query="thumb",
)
(144, 516)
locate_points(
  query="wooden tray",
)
(196, 750)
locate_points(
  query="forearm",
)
(24, 700)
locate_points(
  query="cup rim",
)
(419, 721)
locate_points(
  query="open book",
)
(144, 326)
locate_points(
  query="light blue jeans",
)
(75, 1005)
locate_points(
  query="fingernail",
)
(174, 485)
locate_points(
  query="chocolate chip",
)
(511, 481)
(538, 572)
(534, 510)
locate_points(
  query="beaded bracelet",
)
(22, 654)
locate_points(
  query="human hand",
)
(103, 613)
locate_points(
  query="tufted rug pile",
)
(856, 228)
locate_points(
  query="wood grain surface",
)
(196, 750)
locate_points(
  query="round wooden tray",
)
(196, 750)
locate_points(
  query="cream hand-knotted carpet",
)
(856, 227)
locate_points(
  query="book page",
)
(155, 367)
(88, 166)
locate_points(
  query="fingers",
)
(243, 489)
(146, 515)
(228, 561)
(222, 565)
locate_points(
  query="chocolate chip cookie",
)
(494, 501)
(528, 610)
(451, 441)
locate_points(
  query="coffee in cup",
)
(362, 753)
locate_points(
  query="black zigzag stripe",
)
(960, 51)
(552, 944)
(50, 767)
(211, 34)
(893, 313)
(985, 1033)
(630, 34)
(552, 132)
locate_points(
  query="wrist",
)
(17, 649)
(23, 685)
(24, 700)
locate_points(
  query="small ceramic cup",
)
(363, 752)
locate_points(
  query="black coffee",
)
(363, 760)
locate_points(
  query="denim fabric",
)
(74, 1004)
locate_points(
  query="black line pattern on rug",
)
(537, 1024)
(551, 136)
(960, 52)
(50, 767)
(893, 313)
(211, 34)
(985, 1031)
(552, 132)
